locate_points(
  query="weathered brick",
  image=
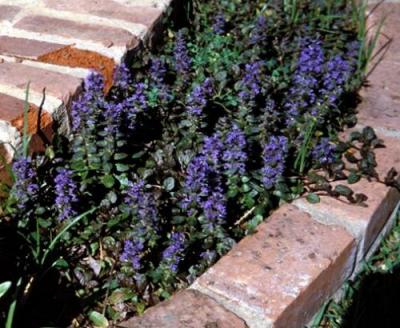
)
(380, 107)
(281, 275)
(7, 12)
(26, 48)
(187, 309)
(364, 223)
(145, 15)
(108, 36)
(12, 111)
(55, 84)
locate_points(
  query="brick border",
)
(301, 256)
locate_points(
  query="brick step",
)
(53, 44)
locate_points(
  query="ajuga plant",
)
(190, 150)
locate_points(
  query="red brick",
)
(380, 107)
(109, 9)
(187, 309)
(56, 84)
(26, 48)
(108, 36)
(390, 12)
(12, 111)
(381, 101)
(8, 12)
(280, 276)
(365, 223)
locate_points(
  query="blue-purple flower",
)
(338, 71)
(305, 83)
(84, 110)
(235, 156)
(181, 54)
(133, 252)
(212, 149)
(219, 24)
(157, 71)
(198, 98)
(251, 85)
(134, 104)
(66, 194)
(259, 34)
(274, 158)
(25, 188)
(324, 152)
(203, 184)
(142, 205)
(122, 77)
(172, 255)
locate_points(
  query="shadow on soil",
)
(376, 303)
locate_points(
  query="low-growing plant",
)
(190, 151)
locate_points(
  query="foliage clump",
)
(162, 176)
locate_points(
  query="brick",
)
(187, 309)
(365, 223)
(390, 12)
(7, 13)
(56, 84)
(107, 36)
(380, 107)
(145, 15)
(26, 48)
(281, 275)
(12, 111)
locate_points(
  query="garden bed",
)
(238, 113)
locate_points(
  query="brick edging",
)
(303, 253)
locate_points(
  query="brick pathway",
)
(53, 44)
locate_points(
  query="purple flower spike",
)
(83, 112)
(259, 33)
(143, 205)
(66, 190)
(181, 54)
(234, 155)
(172, 255)
(251, 82)
(219, 24)
(324, 152)
(197, 100)
(122, 77)
(274, 157)
(133, 253)
(25, 188)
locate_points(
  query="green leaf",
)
(63, 232)
(169, 184)
(343, 190)
(313, 198)
(60, 263)
(120, 156)
(353, 177)
(98, 319)
(122, 167)
(4, 287)
(108, 181)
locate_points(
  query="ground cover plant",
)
(192, 148)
